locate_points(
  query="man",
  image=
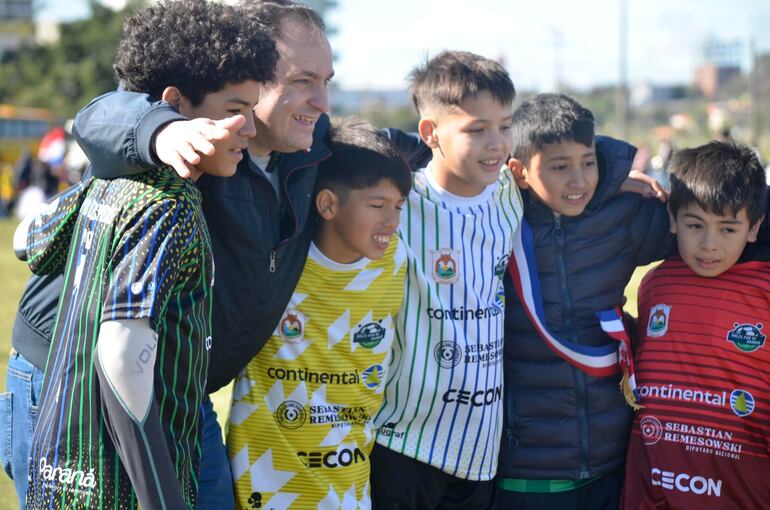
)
(259, 218)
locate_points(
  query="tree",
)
(65, 76)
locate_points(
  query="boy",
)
(119, 418)
(440, 423)
(565, 429)
(300, 429)
(702, 365)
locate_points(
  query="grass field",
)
(14, 274)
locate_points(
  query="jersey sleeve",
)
(158, 246)
(50, 232)
(116, 131)
(131, 413)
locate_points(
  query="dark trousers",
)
(402, 483)
(602, 494)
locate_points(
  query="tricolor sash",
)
(597, 361)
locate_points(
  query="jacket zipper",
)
(273, 253)
(580, 380)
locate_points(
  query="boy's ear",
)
(671, 220)
(172, 95)
(427, 129)
(327, 203)
(519, 172)
(753, 231)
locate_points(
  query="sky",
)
(377, 43)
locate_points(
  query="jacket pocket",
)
(6, 432)
(509, 417)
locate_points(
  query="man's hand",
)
(643, 184)
(180, 144)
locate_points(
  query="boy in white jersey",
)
(301, 427)
(440, 424)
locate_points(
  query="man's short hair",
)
(271, 13)
(361, 157)
(450, 77)
(719, 177)
(549, 118)
(195, 45)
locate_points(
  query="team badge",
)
(445, 266)
(652, 429)
(290, 415)
(742, 402)
(372, 376)
(658, 323)
(370, 335)
(746, 337)
(502, 265)
(291, 329)
(448, 354)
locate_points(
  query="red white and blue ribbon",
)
(597, 361)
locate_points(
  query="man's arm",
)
(125, 365)
(125, 133)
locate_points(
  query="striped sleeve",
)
(157, 248)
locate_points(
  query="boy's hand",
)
(643, 184)
(180, 144)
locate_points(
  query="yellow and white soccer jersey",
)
(300, 428)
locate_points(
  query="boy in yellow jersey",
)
(300, 428)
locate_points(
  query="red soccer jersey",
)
(703, 374)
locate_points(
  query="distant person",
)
(307, 400)
(703, 364)
(119, 419)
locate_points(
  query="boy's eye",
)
(728, 230)
(590, 163)
(559, 168)
(234, 111)
(693, 226)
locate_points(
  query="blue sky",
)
(377, 43)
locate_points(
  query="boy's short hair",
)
(361, 157)
(450, 77)
(271, 13)
(195, 45)
(549, 118)
(719, 177)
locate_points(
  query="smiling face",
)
(291, 104)
(360, 225)
(711, 243)
(470, 143)
(562, 175)
(231, 100)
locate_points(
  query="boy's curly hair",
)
(195, 45)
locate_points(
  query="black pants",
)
(402, 483)
(602, 494)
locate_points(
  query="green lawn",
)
(14, 275)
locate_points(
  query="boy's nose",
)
(577, 180)
(249, 129)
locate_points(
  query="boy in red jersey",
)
(702, 367)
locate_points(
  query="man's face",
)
(236, 99)
(291, 104)
(711, 243)
(563, 175)
(470, 144)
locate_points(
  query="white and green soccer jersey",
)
(444, 392)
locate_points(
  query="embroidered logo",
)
(652, 429)
(658, 323)
(746, 337)
(290, 415)
(291, 329)
(502, 265)
(370, 335)
(742, 402)
(445, 268)
(448, 354)
(372, 376)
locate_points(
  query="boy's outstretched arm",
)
(125, 133)
(125, 365)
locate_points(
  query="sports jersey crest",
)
(746, 337)
(657, 325)
(291, 329)
(445, 265)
